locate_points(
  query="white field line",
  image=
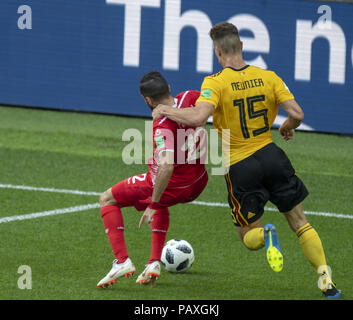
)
(312, 213)
(79, 192)
(96, 205)
(49, 213)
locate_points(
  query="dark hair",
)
(154, 85)
(226, 36)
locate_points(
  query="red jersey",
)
(189, 145)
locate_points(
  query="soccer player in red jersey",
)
(176, 174)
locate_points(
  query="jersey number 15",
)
(252, 114)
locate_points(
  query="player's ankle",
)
(151, 260)
(122, 259)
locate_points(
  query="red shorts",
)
(137, 191)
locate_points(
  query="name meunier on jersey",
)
(247, 84)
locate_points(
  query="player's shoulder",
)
(187, 93)
(164, 123)
(187, 98)
(213, 82)
(215, 76)
(268, 73)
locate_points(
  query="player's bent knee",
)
(102, 199)
(107, 198)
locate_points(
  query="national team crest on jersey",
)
(159, 142)
(206, 93)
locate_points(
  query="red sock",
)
(114, 228)
(160, 225)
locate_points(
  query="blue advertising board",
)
(90, 54)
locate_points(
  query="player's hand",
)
(147, 217)
(158, 112)
(286, 132)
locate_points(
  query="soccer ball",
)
(177, 255)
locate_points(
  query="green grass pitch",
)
(69, 253)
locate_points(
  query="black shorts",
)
(265, 175)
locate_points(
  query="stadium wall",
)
(89, 55)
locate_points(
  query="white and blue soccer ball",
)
(177, 255)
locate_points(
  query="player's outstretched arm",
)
(295, 117)
(194, 117)
(165, 171)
